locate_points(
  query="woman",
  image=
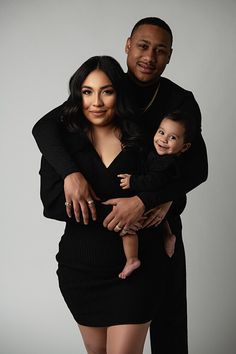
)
(113, 315)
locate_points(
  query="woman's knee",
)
(93, 348)
(126, 339)
(94, 339)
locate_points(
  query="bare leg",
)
(94, 339)
(126, 339)
(130, 245)
(169, 239)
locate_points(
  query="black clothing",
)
(90, 257)
(172, 326)
(171, 97)
(168, 332)
(158, 171)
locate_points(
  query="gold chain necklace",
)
(152, 99)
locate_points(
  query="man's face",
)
(148, 53)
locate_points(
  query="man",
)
(149, 50)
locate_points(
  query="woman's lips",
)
(97, 113)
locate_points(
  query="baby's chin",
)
(161, 151)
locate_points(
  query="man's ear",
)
(185, 147)
(127, 45)
(171, 51)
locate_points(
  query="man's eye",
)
(143, 46)
(172, 137)
(160, 51)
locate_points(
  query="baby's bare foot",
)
(169, 244)
(130, 266)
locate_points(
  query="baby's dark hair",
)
(187, 121)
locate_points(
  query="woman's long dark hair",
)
(72, 112)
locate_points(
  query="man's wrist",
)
(69, 173)
(139, 203)
(148, 200)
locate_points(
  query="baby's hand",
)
(124, 180)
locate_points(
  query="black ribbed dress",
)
(90, 257)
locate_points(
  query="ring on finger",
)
(68, 204)
(117, 228)
(125, 232)
(125, 229)
(90, 202)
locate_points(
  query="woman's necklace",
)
(152, 99)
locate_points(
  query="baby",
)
(172, 138)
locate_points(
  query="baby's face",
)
(169, 138)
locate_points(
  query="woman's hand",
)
(125, 212)
(79, 197)
(156, 215)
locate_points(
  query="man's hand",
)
(79, 197)
(125, 212)
(156, 215)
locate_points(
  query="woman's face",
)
(98, 99)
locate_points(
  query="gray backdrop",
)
(42, 44)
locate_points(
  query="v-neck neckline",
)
(99, 157)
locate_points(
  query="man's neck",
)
(142, 84)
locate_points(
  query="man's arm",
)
(194, 165)
(52, 192)
(48, 135)
(194, 171)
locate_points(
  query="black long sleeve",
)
(53, 197)
(48, 135)
(194, 169)
(52, 192)
(193, 172)
(158, 171)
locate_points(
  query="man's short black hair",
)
(155, 21)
